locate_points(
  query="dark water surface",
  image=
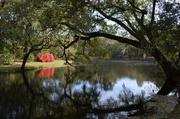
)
(68, 93)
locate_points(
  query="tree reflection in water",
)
(56, 99)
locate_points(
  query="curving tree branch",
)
(110, 36)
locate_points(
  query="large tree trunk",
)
(166, 65)
(172, 74)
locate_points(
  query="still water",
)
(90, 92)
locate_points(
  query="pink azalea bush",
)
(47, 57)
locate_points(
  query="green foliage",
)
(45, 51)
(88, 50)
(6, 58)
(24, 27)
(41, 24)
(168, 35)
(19, 53)
(31, 57)
(57, 52)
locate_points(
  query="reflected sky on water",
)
(147, 87)
(68, 92)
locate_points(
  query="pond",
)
(102, 90)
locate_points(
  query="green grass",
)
(56, 63)
(32, 65)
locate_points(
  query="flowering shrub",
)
(46, 73)
(47, 57)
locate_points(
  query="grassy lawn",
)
(32, 65)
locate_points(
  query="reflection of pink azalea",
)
(46, 73)
(47, 57)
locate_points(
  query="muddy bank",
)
(160, 107)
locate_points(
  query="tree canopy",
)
(152, 26)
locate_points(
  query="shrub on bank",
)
(6, 58)
(47, 57)
(31, 57)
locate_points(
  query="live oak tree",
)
(152, 26)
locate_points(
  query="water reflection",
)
(88, 92)
(147, 87)
(46, 73)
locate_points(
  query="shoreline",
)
(31, 66)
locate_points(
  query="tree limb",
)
(113, 37)
(116, 21)
(153, 13)
(118, 109)
(136, 8)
